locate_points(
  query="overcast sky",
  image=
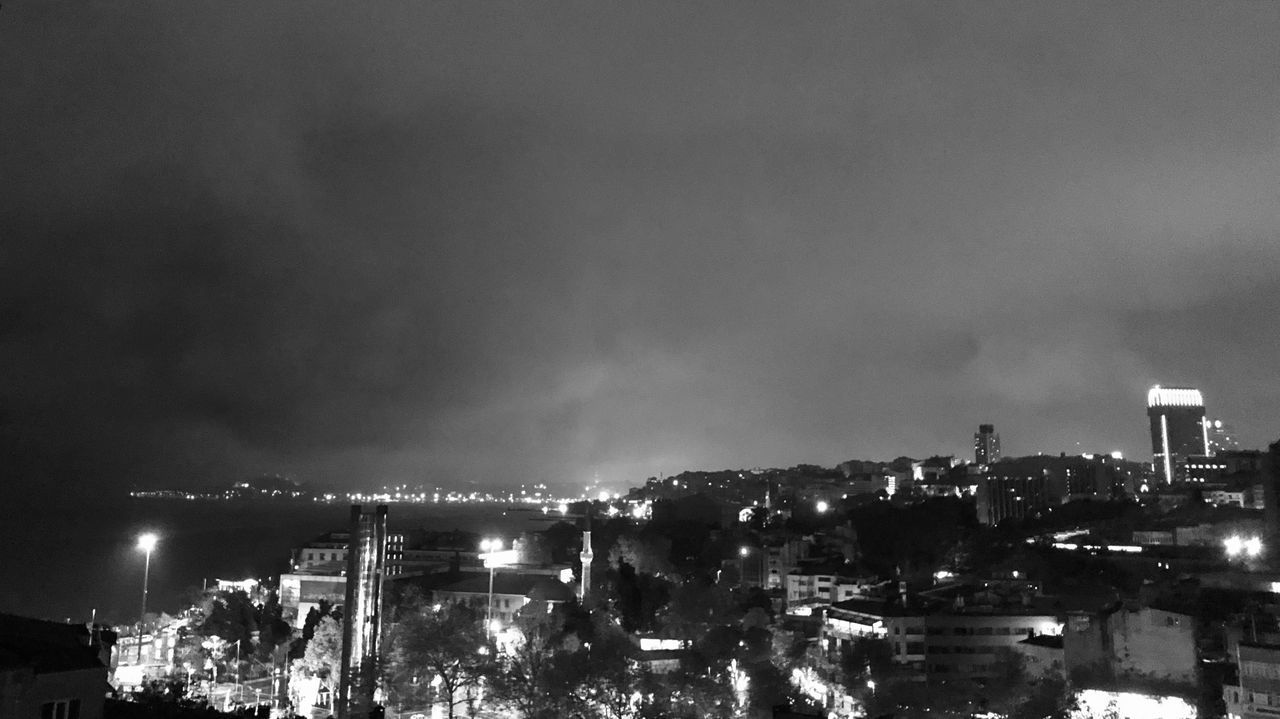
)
(502, 242)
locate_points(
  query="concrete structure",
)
(49, 670)
(986, 445)
(781, 559)
(362, 628)
(826, 584)
(511, 592)
(1178, 427)
(406, 554)
(300, 592)
(1138, 643)
(959, 633)
(1257, 696)
(1010, 491)
(1242, 498)
(587, 556)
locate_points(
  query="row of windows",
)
(982, 631)
(1260, 669)
(1257, 698)
(323, 556)
(63, 709)
(944, 649)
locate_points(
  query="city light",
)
(1237, 546)
(822, 506)
(147, 541)
(744, 551)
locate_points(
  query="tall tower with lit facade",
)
(1178, 427)
(587, 556)
(366, 564)
(986, 444)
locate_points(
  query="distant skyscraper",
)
(986, 444)
(1178, 427)
(1222, 437)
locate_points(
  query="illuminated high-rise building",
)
(1178, 427)
(986, 444)
(1222, 437)
(587, 556)
(362, 626)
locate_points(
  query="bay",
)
(63, 558)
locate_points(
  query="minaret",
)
(586, 556)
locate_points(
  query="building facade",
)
(49, 670)
(1013, 493)
(1257, 695)
(1178, 428)
(986, 445)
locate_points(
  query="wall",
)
(22, 694)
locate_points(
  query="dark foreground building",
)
(49, 670)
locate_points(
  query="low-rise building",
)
(1257, 693)
(509, 592)
(49, 670)
(956, 635)
(1131, 643)
(826, 584)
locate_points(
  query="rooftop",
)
(1174, 397)
(1048, 641)
(45, 646)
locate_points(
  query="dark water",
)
(61, 559)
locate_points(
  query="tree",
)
(232, 617)
(649, 553)
(1050, 698)
(636, 596)
(274, 631)
(448, 646)
(535, 678)
(609, 670)
(321, 662)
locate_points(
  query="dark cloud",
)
(457, 242)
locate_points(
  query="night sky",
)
(513, 242)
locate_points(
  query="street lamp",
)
(490, 547)
(146, 543)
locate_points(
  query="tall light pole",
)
(490, 547)
(147, 543)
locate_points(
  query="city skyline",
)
(548, 244)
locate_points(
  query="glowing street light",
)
(1234, 545)
(490, 546)
(822, 506)
(1237, 546)
(147, 543)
